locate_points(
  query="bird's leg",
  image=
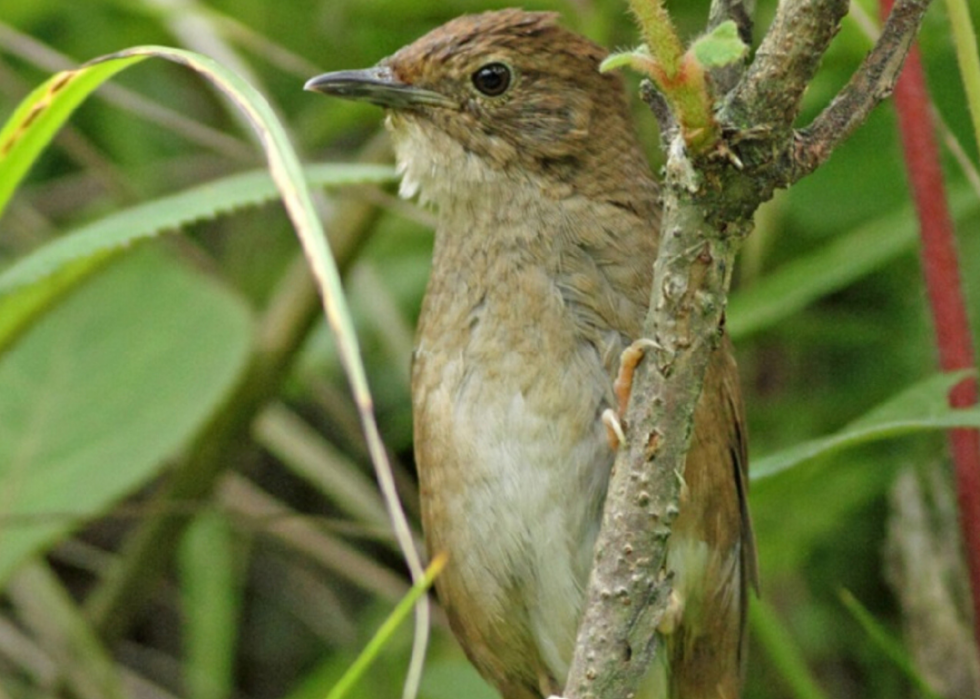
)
(622, 387)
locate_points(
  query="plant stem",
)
(659, 34)
(678, 75)
(942, 277)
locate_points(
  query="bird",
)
(548, 221)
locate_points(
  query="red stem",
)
(942, 277)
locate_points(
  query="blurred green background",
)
(183, 354)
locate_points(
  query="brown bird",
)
(548, 228)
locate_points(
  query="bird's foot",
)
(622, 387)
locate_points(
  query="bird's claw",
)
(622, 387)
(614, 430)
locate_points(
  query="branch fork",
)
(718, 172)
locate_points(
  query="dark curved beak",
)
(378, 86)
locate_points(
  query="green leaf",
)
(721, 47)
(639, 59)
(37, 281)
(925, 399)
(19, 308)
(206, 201)
(920, 408)
(843, 261)
(102, 391)
(286, 171)
(39, 116)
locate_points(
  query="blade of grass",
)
(795, 285)
(50, 107)
(39, 116)
(206, 201)
(783, 651)
(211, 603)
(880, 637)
(48, 610)
(36, 282)
(383, 634)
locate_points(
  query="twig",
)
(873, 82)
(771, 91)
(681, 78)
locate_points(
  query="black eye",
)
(493, 79)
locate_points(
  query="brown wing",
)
(712, 550)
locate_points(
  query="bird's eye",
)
(492, 80)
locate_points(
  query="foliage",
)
(131, 358)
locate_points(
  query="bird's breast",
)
(512, 457)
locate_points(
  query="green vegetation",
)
(187, 502)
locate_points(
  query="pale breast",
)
(513, 461)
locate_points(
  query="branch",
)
(772, 89)
(629, 587)
(873, 82)
(709, 201)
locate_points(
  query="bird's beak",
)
(378, 86)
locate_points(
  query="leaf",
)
(639, 59)
(174, 211)
(284, 166)
(846, 259)
(720, 47)
(37, 119)
(928, 398)
(39, 116)
(37, 281)
(103, 390)
(920, 408)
